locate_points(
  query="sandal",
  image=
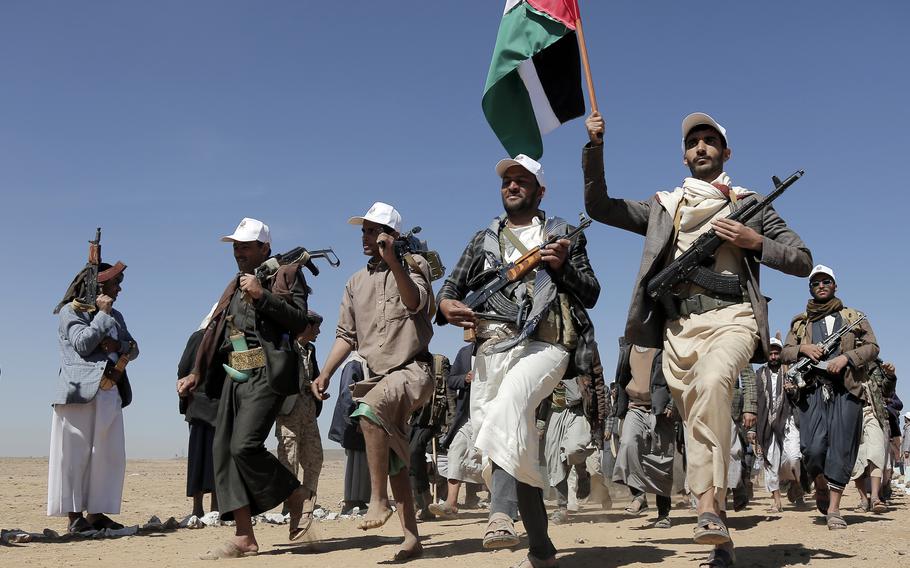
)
(879, 507)
(500, 532)
(305, 522)
(719, 558)
(663, 523)
(704, 534)
(642, 503)
(443, 511)
(835, 521)
(862, 506)
(560, 516)
(774, 509)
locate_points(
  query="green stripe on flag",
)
(506, 104)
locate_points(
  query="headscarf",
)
(816, 310)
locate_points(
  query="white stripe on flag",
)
(546, 118)
(511, 4)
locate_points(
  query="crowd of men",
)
(524, 407)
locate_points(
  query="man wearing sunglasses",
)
(831, 404)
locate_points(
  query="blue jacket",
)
(82, 361)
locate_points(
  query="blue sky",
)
(167, 122)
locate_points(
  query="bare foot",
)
(377, 515)
(409, 550)
(237, 547)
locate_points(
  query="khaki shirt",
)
(375, 322)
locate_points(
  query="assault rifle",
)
(409, 244)
(512, 272)
(298, 255)
(691, 265)
(797, 373)
(90, 291)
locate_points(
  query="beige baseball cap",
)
(701, 119)
(526, 162)
(249, 230)
(381, 213)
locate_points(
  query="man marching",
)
(385, 316)
(248, 338)
(518, 364)
(831, 405)
(715, 334)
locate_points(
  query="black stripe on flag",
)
(559, 70)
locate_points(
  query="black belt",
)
(707, 302)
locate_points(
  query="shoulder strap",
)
(519, 246)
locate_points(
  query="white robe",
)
(87, 460)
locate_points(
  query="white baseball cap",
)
(822, 269)
(700, 119)
(527, 163)
(776, 342)
(907, 416)
(381, 213)
(249, 230)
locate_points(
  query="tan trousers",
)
(299, 443)
(703, 356)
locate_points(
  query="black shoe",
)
(79, 525)
(104, 522)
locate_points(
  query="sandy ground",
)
(596, 537)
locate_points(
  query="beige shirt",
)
(640, 362)
(727, 260)
(375, 322)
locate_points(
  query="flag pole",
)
(583, 50)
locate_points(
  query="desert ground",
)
(601, 537)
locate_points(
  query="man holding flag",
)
(714, 334)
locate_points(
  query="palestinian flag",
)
(534, 83)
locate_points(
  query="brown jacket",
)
(782, 249)
(859, 345)
(281, 314)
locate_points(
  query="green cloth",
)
(396, 464)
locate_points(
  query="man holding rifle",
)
(528, 335)
(87, 459)
(245, 359)
(831, 402)
(385, 316)
(707, 335)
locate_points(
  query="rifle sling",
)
(519, 246)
